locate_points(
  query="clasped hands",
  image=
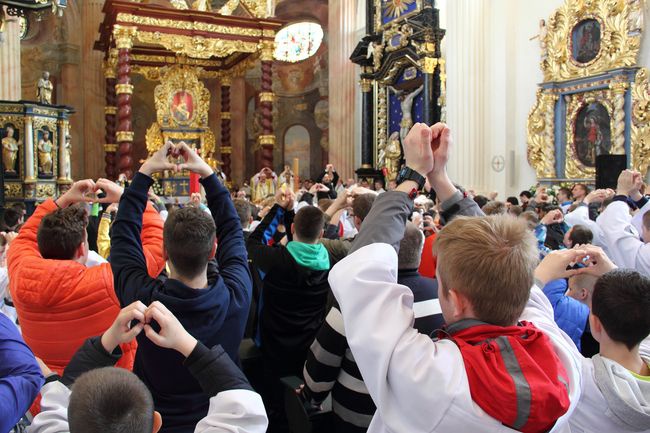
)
(172, 335)
(166, 158)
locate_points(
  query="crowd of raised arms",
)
(416, 306)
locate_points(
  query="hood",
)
(311, 256)
(627, 395)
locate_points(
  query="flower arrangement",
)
(552, 191)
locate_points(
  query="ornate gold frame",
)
(640, 154)
(621, 29)
(38, 125)
(541, 135)
(378, 15)
(18, 122)
(574, 169)
(181, 78)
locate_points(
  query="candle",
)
(296, 170)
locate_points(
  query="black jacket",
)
(293, 301)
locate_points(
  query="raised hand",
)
(121, 331)
(83, 190)
(417, 149)
(596, 261)
(626, 182)
(193, 162)
(285, 199)
(112, 190)
(554, 266)
(172, 335)
(441, 143)
(553, 217)
(159, 161)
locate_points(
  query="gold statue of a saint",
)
(45, 88)
(9, 151)
(45, 154)
(393, 156)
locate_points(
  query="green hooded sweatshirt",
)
(311, 256)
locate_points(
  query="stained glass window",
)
(298, 41)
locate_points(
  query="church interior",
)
(316, 216)
(277, 83)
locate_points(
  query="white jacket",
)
(232, 411)
(418, 385)
(623, 243)
(612, 401)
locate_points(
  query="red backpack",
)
(514, 374)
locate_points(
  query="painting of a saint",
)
(182, 107)
(593, 133)
(586, 39)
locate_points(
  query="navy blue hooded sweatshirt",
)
(214, 315)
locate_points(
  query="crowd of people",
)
(413, 306)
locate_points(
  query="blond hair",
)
(491, 261)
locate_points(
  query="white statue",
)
(66, 158)
(406, 103)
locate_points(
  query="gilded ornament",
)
(267, 50)
(229, 7)
(640, 155)
(226, 150)
(108, 147)
(197, 46)
(13, 190)
(11, 109)
(382, 118)
(366, 85)
(267, 96)
(121, 89)
(110, 110)
(226, 115)
(124, 36)
(188, 25)
(429, 65)
(619, 89)
(124, 136)
(266, 140)
(404, 32)
(620, 38)
(541, 136)
(226, 81)
(153, 138)
(45, 190)
(181, 99)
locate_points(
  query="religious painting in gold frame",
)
(590, 132)
(181, 98)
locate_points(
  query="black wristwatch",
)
(407, 173)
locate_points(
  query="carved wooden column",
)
(124, 90)
(267, 140)
(367, 120)
(226, 147)
(110, 115)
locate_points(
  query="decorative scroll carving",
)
(541, 135)
(197, 46)
(640, 156)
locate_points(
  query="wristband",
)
(54, 377)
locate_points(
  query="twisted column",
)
(618, 139)
(124, 90)
(226, 147)
(267, 140)
(110, 112)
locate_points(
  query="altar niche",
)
(403, 80)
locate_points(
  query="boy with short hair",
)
(502, 364)
(105, 399)
(212, 306)
(615, 383)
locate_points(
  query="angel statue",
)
(406, 103)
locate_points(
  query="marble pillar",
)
(29, 150)
(93, 89)
(124, 90)
(267, 140)
(10, 80)
(226, 148)
(342, 41)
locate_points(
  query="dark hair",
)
(189, 236)
(566, 191)
(581, 235)
(110, 400)
(494, 208)
(584, 187)
(244, 212)
(513, 201)
(309, 223)
(362, 204)
(515, 210)
(11, 217)
(621, 301)
(61, 232)
(20, 206)
(481, 200)
(526, 194)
